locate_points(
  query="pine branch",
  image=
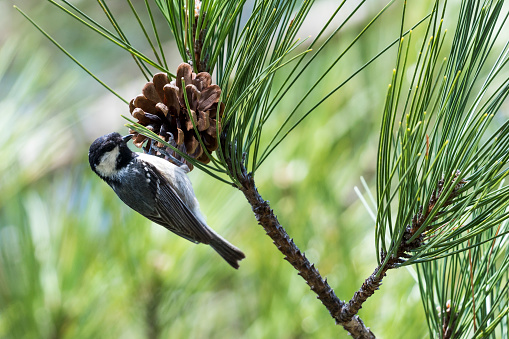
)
(367, 289)
(373, 283)
(268, 220)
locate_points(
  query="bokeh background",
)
(77, 263)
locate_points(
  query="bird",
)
(157, 189)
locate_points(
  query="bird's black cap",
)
(107, 143)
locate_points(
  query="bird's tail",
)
(230, 253)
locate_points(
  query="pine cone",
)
(162, 109)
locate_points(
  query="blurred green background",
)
(77, 263)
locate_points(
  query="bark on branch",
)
(268, 220)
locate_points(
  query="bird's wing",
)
(173, 213)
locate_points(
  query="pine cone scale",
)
(145, 104)
(193, 96)
(149, 91)
(184, 71)
(205, 79)
(159, 80)
(171, 97)
(210, 96)
(162, 108)
(203, 121)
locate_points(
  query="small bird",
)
(158, 190)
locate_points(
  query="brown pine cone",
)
(162, 108)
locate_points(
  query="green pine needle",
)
(442, 162)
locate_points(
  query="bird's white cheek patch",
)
(108, 163)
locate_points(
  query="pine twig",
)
(373, 283)
(268, 220)
(367, 289)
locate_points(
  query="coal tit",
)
(158, 190)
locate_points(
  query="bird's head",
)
(109, 154)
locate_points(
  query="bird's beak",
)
(127, 137)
